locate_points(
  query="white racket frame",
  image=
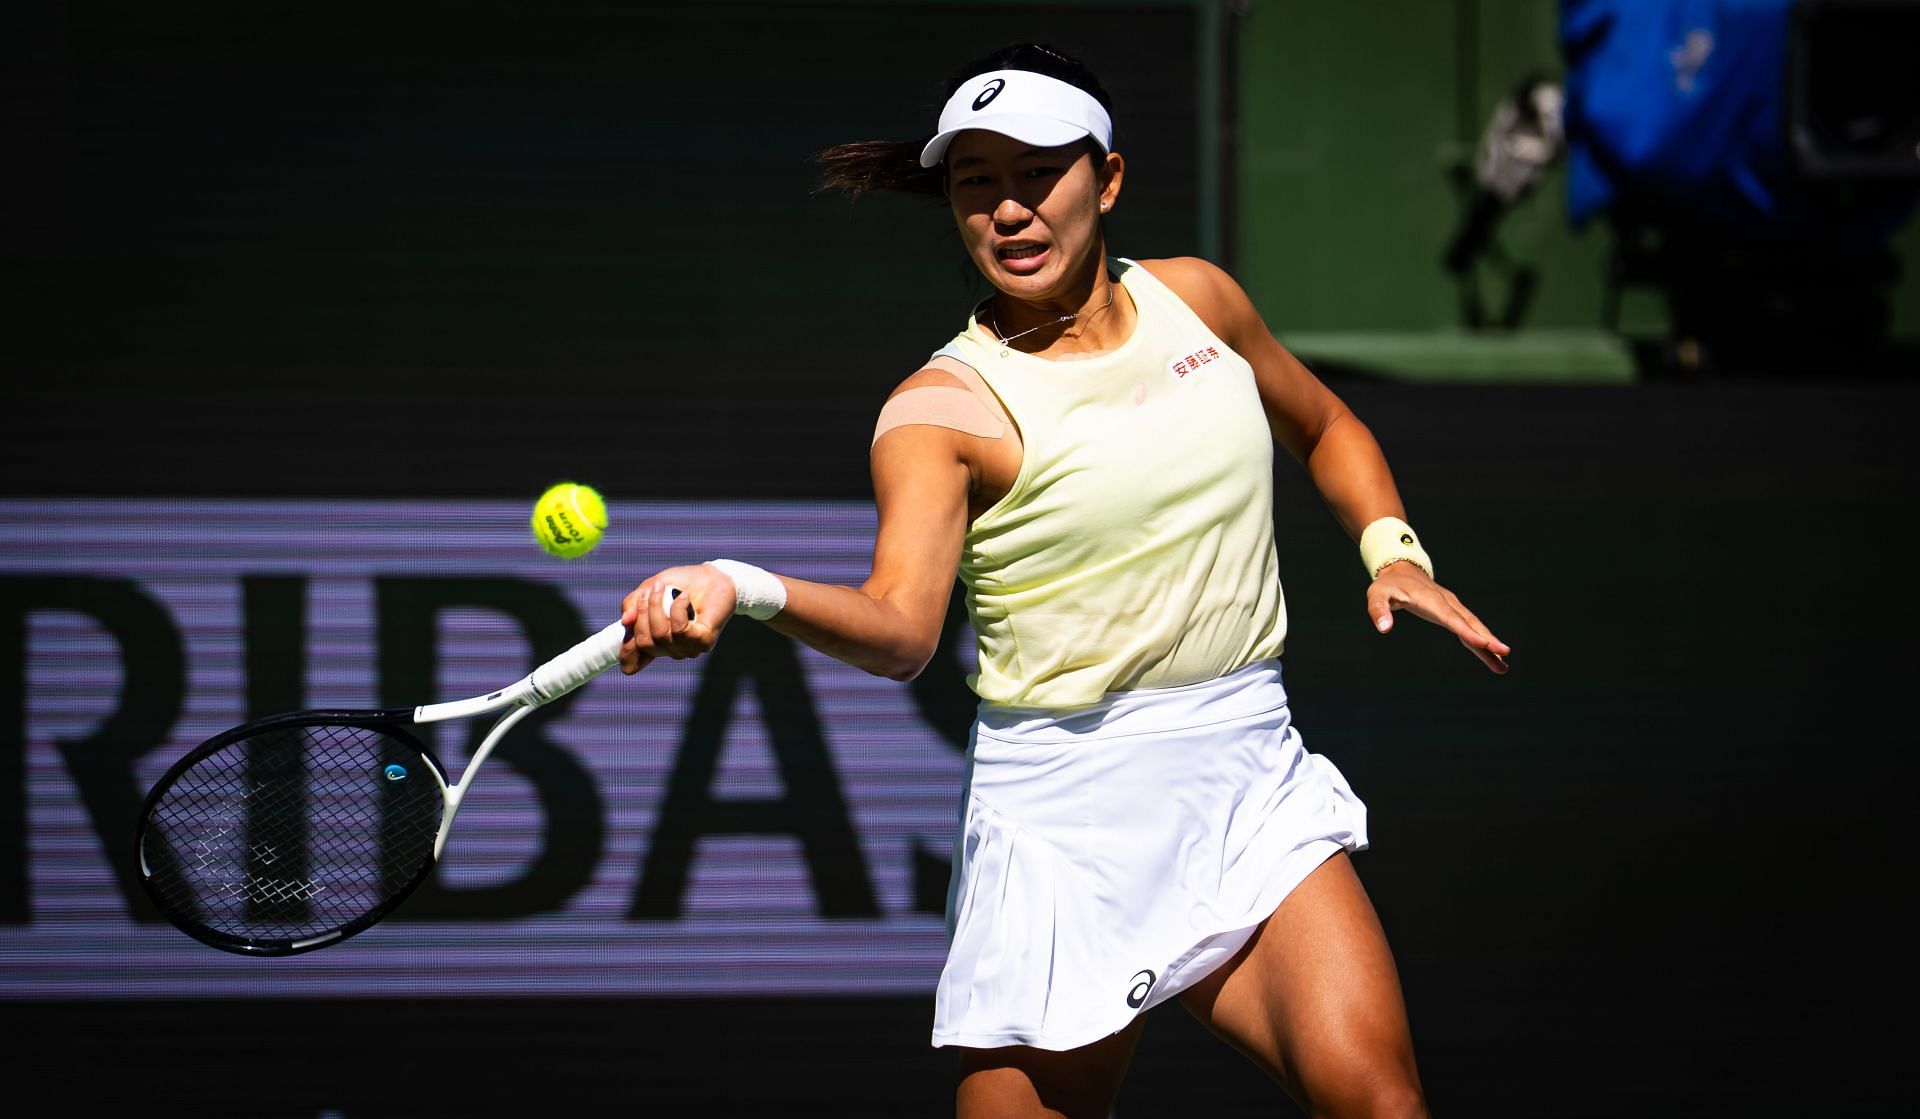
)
(538, 688)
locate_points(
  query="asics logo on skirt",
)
(1142, 984)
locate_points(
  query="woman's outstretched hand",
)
(1403, 586)
(685, 626)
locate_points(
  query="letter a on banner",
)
(812, 808)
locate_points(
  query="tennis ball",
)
(569, 520)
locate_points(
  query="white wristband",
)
(1390, 540)
(758, 593)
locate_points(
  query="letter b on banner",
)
(409, 611)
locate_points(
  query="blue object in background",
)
(1678, 107)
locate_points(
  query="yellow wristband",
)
(1390, 540)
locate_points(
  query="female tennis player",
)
(1092, 455)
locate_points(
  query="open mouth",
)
(1022, 257)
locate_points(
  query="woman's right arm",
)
(890, 625)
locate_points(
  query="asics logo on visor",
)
(989, 93)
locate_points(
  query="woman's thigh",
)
(1314, 999)
(1018, 1081)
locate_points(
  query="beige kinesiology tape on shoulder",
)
(940, 406)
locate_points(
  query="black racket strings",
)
(293, 832)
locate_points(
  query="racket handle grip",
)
(577, 665)
(581, 663)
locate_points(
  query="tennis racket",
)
(296, 831)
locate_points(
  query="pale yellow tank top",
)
(1135, 549)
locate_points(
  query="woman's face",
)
(1030, 217)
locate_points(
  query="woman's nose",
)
(1011, 211)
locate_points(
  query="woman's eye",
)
(1041, 172)
(973, 180)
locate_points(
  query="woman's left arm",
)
(1339, 452)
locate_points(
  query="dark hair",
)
(866, 165)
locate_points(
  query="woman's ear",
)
(1113, 169)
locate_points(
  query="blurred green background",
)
(1354, 121)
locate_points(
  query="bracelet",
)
(758, 593)
(1388, 541)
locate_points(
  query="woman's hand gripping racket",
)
(296, 831)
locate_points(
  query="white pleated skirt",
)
(1111, 856)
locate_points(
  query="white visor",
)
(1032, 108)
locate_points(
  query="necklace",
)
(1007, 340)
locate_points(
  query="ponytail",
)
(868, 165)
